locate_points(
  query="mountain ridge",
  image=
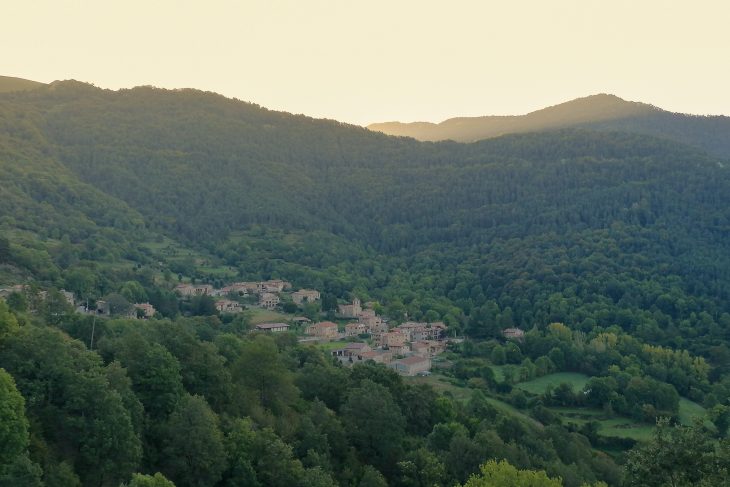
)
(603, 112)
(11, 83)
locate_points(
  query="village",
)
(407, 348)
(358, 335)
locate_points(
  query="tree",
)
(203, 305)
(498, 356)
(81, 281)
(316, 477)
(133, 292)
(463, 456)
(193, 453)
(68, 393)
(421, 468)
(239, 444)
(5, 255)
(8, 322)
(372, 478)
(118, 304)
(600, 390)
(675, 456)
(324, 382)
(154, 371)
(374, 424)
(156, 480)
(273, 461)
(21, 471)
(13, 423)
(17, 302)
(262, 374)
(720, 416)
(502, 474)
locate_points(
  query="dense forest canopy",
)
(609, 248)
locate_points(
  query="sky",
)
(374, 61)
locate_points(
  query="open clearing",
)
(537, 386)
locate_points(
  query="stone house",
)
(351, 350)
(305, 296)
(323, 329)
(392, 339)
(148, 311)
(378, 356)
(350, 310)
(428, 348)
(194, 289)
(399, 350)
(423, 331)
(354, 329)
(272, 327)
(268, 300)
(513, 334)
(272, 286)
(373, 322)
(228, 306)
(69, 296)
(411, 366)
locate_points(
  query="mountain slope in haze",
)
(597, 112)
(49, 217)
(9, 84)
(606, 221)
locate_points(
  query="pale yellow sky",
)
(374, 60)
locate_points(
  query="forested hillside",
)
(609, 249)
(597, 112)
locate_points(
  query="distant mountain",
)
(597, 112)
(8, 84)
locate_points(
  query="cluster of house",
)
(267, 292)
(415, 363)
(101, 307)
(42, 295)
(407, 348)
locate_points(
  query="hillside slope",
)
(608, 222)
(10, 84)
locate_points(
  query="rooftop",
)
(412, 360)
(268, 326)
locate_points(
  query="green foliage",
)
(21, 471)
(69, 395)
(678, 456)
(374, 424)
(8, 322)
(154, 373)
(372, 478)
(192, 444)
(421, 468)
(156, 480)
(502, 474)
(13, 423)
(260, 370)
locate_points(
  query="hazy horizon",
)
(379, 62)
